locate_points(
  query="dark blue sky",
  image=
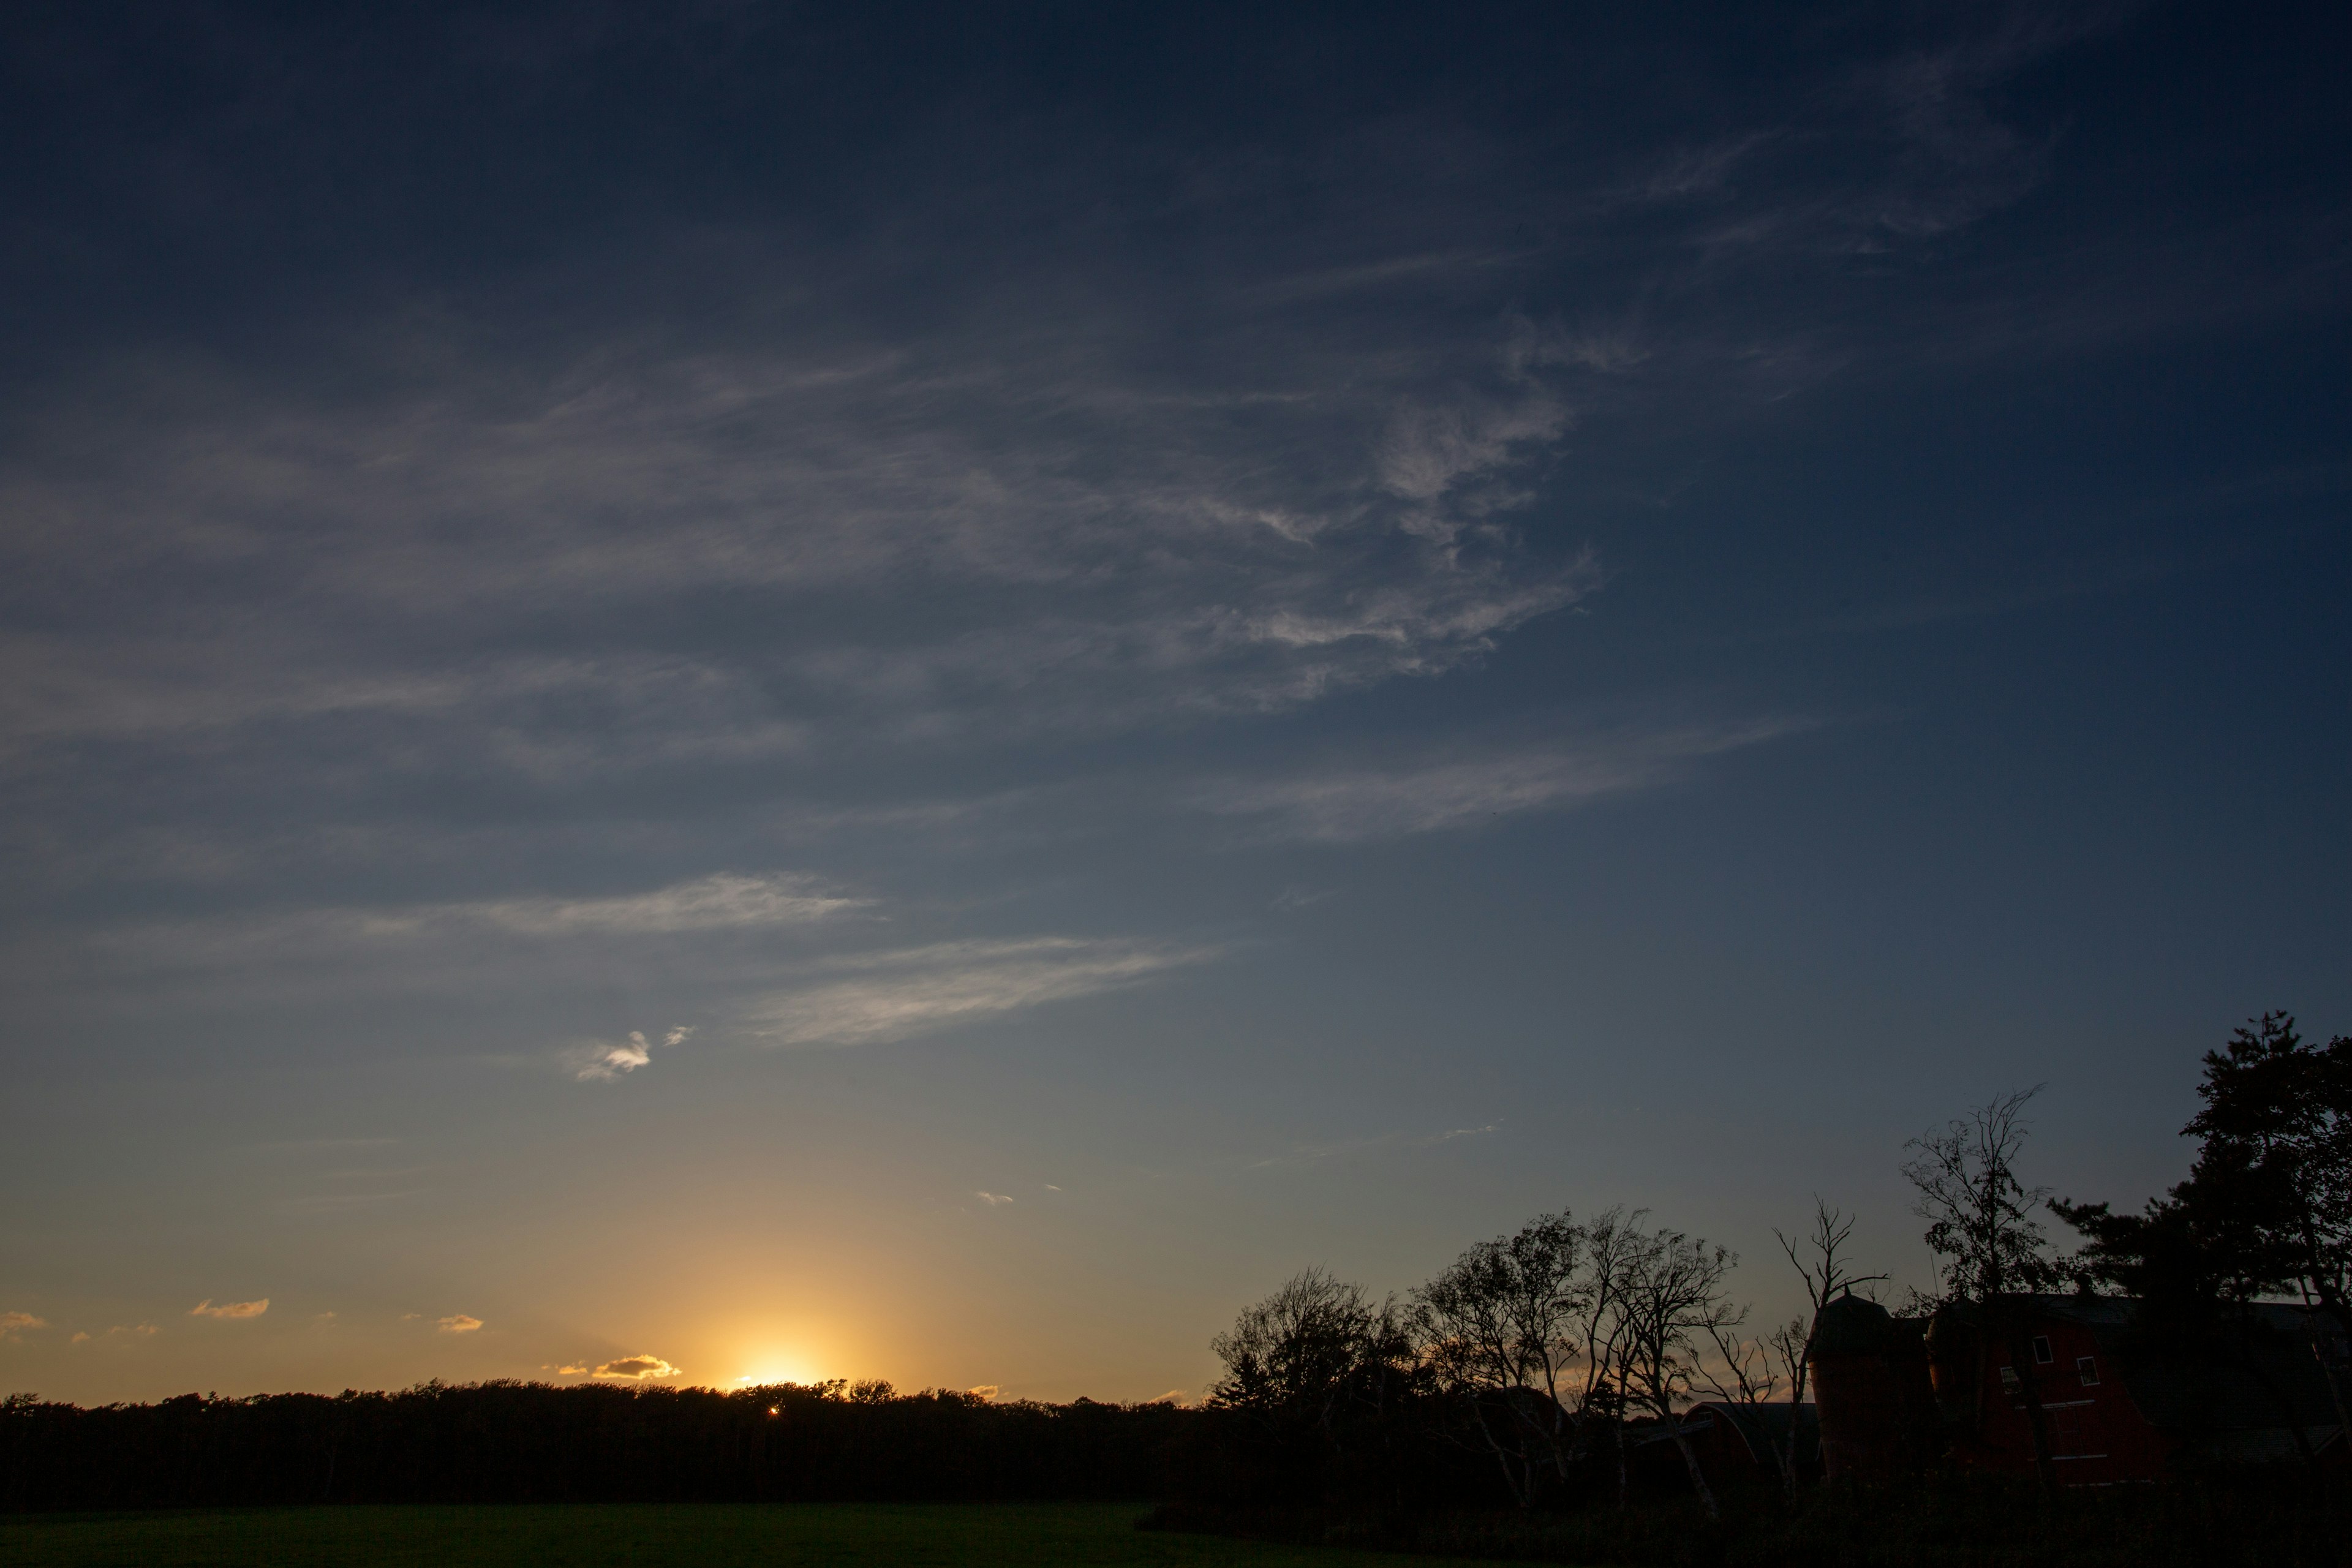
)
(925, 692)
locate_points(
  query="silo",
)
(1870, 1383)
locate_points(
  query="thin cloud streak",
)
(414, 945)
(1364, 803)
(913, 991)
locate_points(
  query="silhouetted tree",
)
(1308, 1349)
(1672, 1293)
(2263, 1214)
(1784, 1350)
(1991, 1250)
(1499, 1330)
(2276, 1134)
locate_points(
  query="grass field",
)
(1093, 1535)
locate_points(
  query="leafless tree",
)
(1750, 1373)
(1674, 1297)
(1611, 1241)
(1981, 1227)
(1820, 1261)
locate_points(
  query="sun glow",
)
(778, 1367)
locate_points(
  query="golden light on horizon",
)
(779, 1366)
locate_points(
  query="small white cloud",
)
(1176, 1396)
(14, 1323)
(597, 1062)
(984, 1390)
(636, 1368)
(459, 1323)
(567, 1371)
(1295, 897)
(994, 1200)
(1052, 1188)
(81, 1336)
(204, 1309)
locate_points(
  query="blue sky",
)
(925, 693)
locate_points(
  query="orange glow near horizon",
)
(778, 1366)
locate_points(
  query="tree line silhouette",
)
(526, 1442)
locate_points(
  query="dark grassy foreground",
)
(2284, 1519)
(642, 1535)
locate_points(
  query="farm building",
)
(1895, 1391)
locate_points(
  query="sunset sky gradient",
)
(743, 690)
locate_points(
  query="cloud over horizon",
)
(634, 1369)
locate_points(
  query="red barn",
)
(2270, 1388)
(2114, 1417)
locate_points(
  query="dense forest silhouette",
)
(527, 1442)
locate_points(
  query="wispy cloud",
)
(204, 1309)
(1357, 804)
(994, 1200)
(1182, 564)
(15, 1323)
(459, 1323)
(724, 902)
(890, 996)
(119, 1330)
(415, 946)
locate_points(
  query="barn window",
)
(2089, 1367)
(2042, 1355)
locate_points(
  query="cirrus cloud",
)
(1431, 794)
(890, 996)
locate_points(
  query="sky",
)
(743, 691)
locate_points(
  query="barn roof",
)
(1765, 1426)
